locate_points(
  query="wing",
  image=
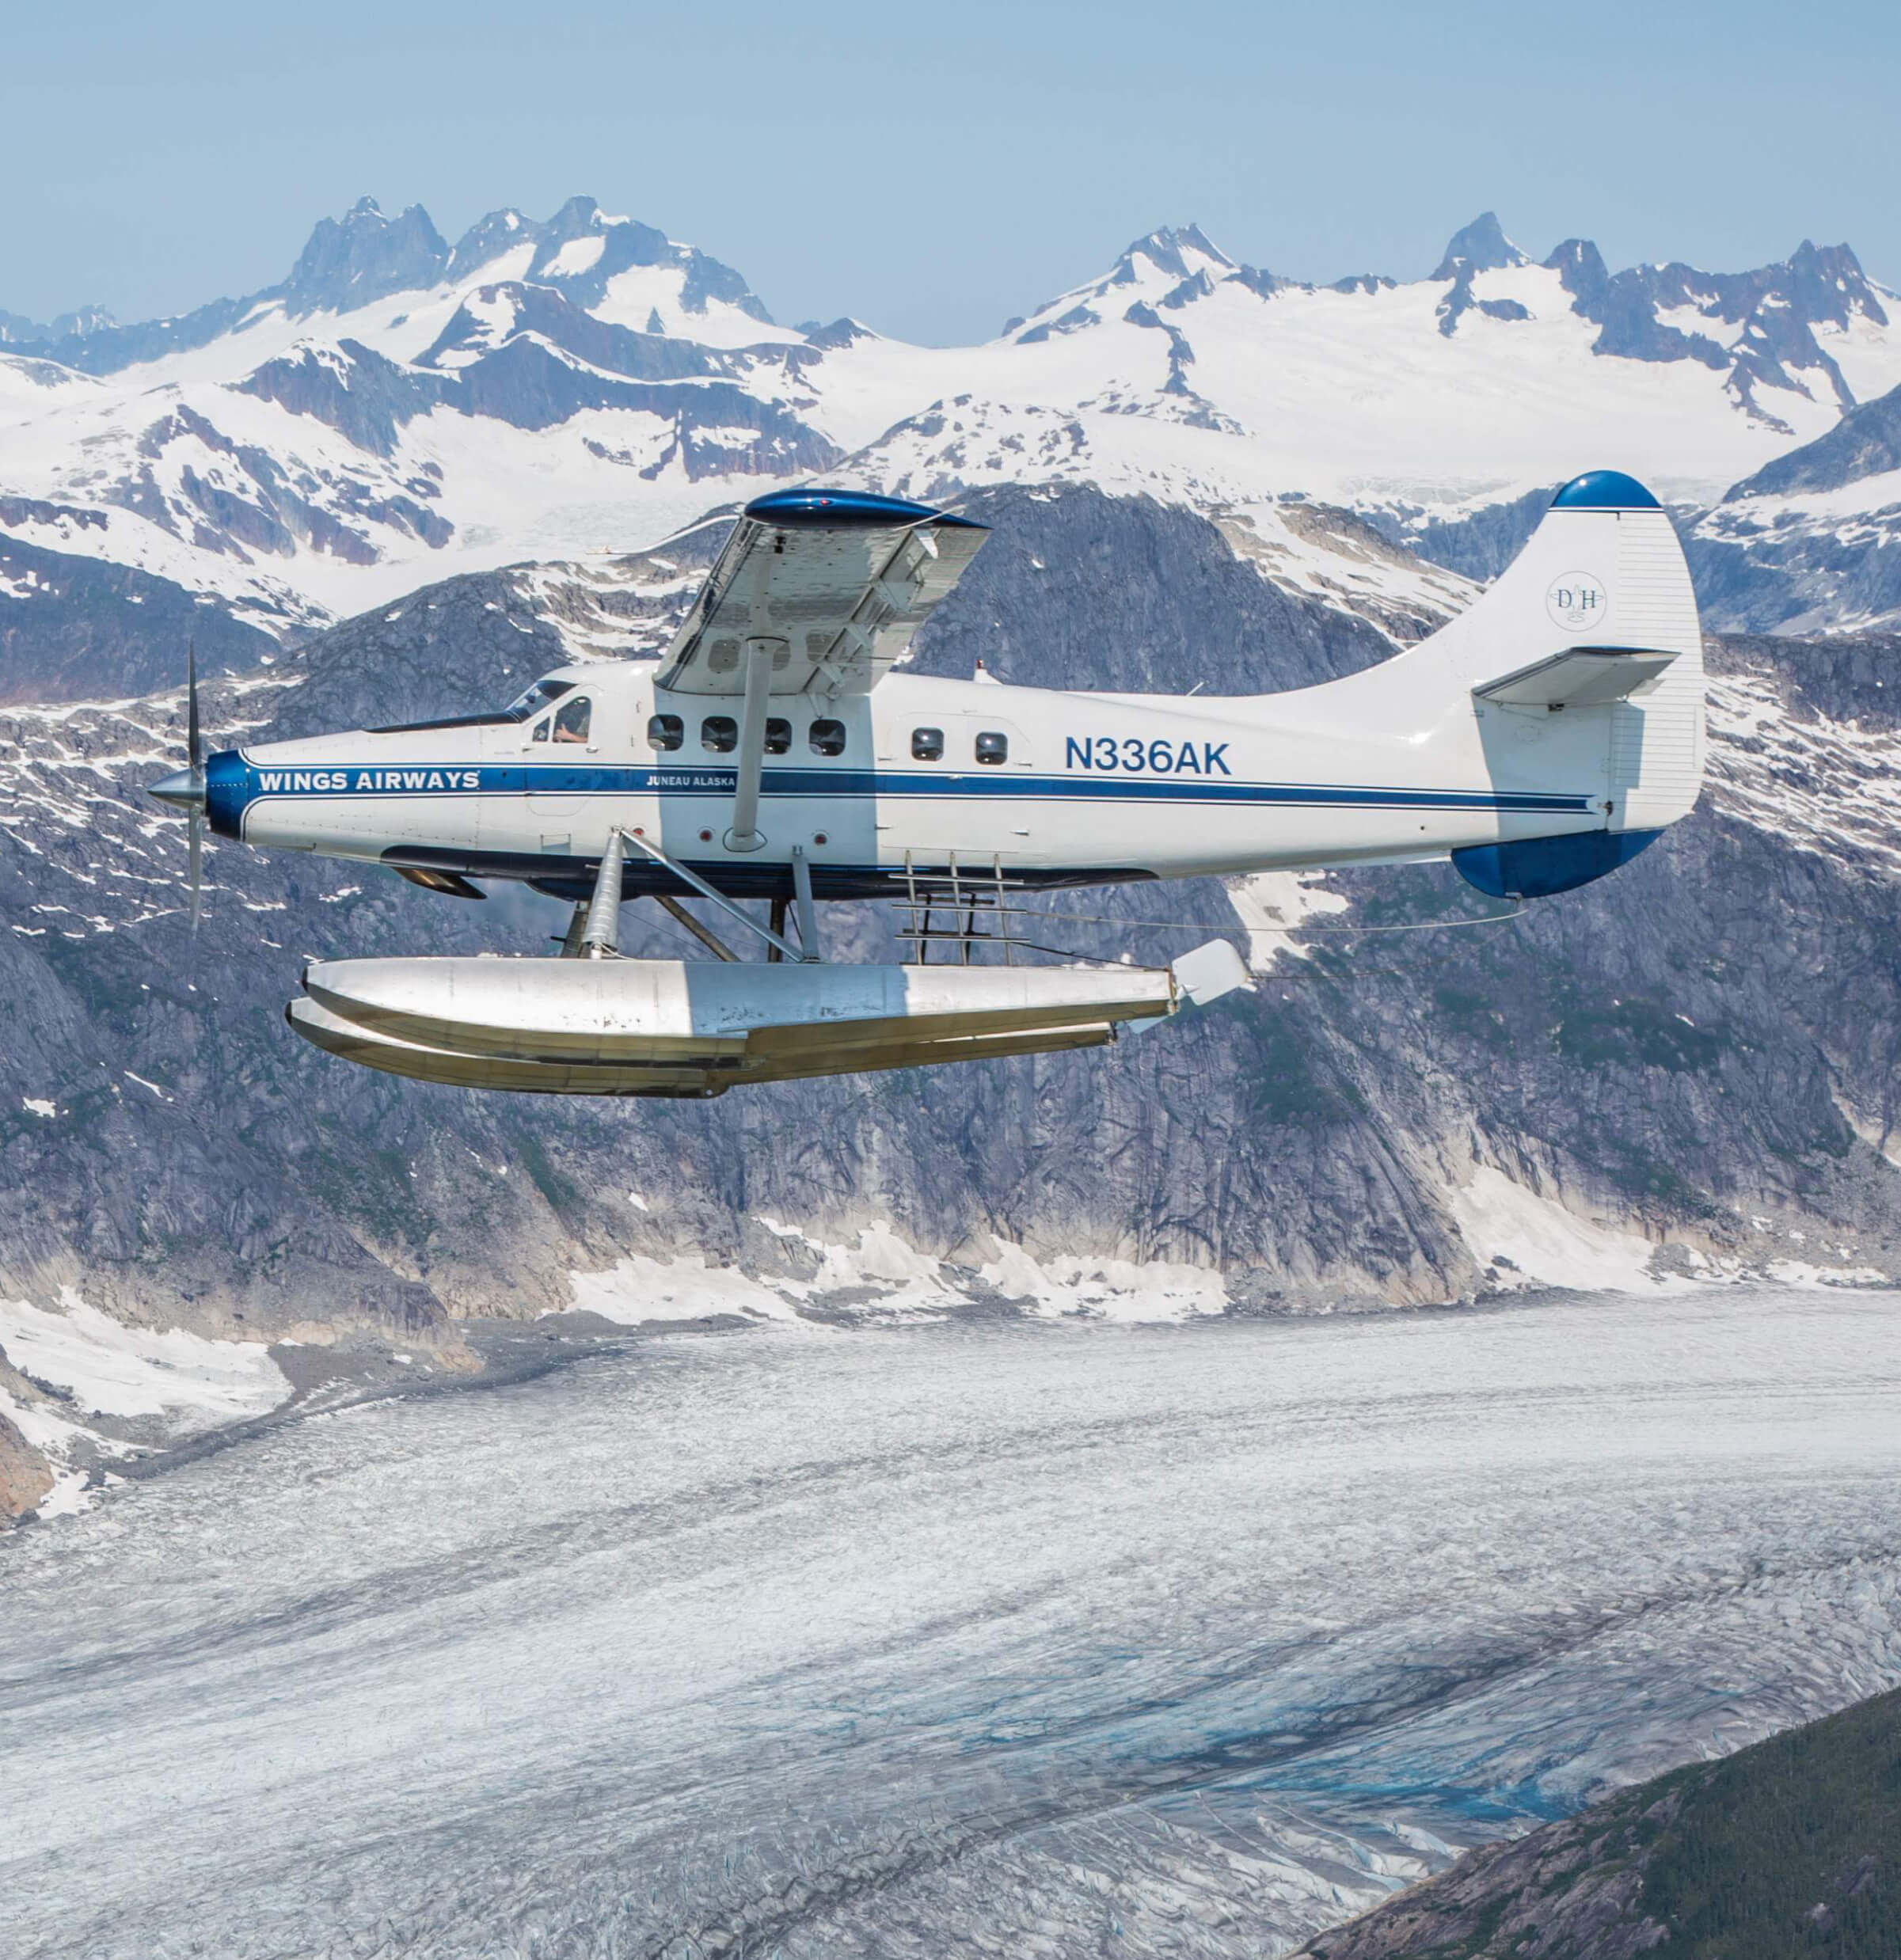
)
(836, 580)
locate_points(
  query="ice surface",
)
(1004, 1638)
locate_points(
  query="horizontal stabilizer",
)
(1580, 676)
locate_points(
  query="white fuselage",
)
(1385, 765)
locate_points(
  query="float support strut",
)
(707, 937)
(808, 913)
(601, 936)
(699, 884)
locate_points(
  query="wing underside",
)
(834, 584)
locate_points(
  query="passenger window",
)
(927, 744)
(778, 736)
(541, 732)
(719, 733)
(572, 722)
(828, 738)
(993, 747)
(665, 732)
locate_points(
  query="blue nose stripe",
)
(227, 789)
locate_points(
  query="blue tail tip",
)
(1604, 490)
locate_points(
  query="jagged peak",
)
(351, 261)
(1481, 246)
(491, 235)
(576, 218)
(1167, 248)
(841, 332)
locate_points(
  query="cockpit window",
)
(572, 722)
(526, 705)
(541, 731)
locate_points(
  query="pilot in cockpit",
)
(571, 724)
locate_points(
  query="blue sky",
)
(933, 169)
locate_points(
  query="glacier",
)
(1004, 1637)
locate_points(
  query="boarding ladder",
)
(960, 890)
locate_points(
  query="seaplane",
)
(777, 754)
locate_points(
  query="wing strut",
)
(744, 835)
(705, 890)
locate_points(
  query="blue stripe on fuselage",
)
(331, 781)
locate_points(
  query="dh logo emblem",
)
(1577, 602)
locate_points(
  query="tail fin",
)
(1596, 618)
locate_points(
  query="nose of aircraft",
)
(183, 789)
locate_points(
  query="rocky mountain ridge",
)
(364, 256)
(399, 409)
(1686, 1071)
(1788, 1846)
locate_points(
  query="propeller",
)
(183, 789)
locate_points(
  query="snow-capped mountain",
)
(1812, 542)
(399, 409)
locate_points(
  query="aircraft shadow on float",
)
(1539, 740)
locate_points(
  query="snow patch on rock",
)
(1273, 904)
(638, 1290)
(108, 1368)
(1547, 1245)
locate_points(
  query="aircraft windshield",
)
(536, 698)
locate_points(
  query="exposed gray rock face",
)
(1703, 1048)
(16, 328)
(75, 628)
(514, 373)
(24, 1478)
(540, 309)
(1784, 1848)
(1778, 308)
(1766, 560)
(362, 256)
(1865, 443)
(357, 391)
(1482, 545)
(1481, 246)
(1804, 575)
(1164, 248)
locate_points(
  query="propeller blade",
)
(194, 748)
